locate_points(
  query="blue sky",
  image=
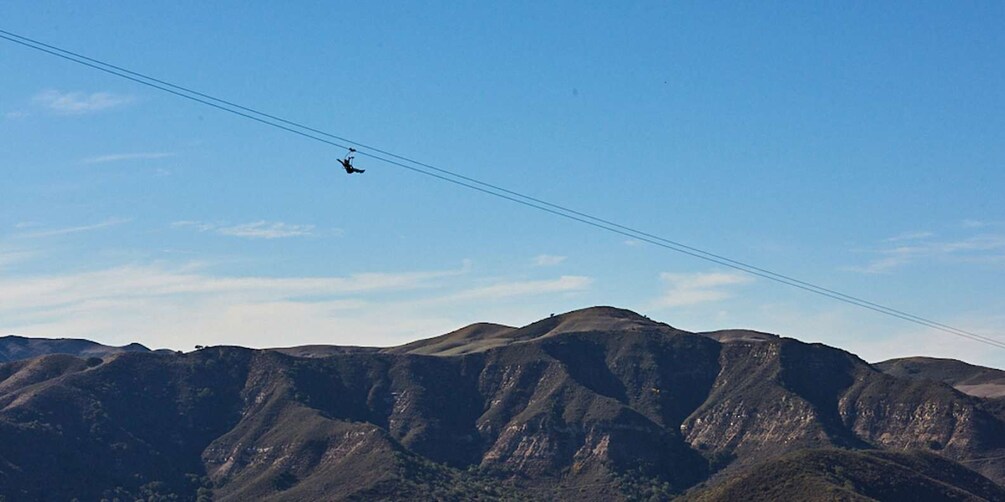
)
(852, 145)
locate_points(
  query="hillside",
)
(474, 338)
(596, 404)
(484, 336)
(16, 348)
(828, 474)
(967, 378)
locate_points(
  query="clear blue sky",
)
(859, 146)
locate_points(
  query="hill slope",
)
(967, 378)
(16, 348)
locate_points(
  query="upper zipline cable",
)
(480, 186)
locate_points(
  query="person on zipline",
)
(347, 163)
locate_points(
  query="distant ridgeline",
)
(596, 404)
(15, 348)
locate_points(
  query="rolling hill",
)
(967, 378)
(15, 348)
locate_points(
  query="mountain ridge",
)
(16, 347)
(596, 404)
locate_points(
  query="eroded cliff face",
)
(596, 413)
(750, 411)
(775, 396)
(902, 414)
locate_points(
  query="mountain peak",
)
(603, 312)
(740, 335)
(600, 318)
(484, 336)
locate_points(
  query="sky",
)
(854, 145)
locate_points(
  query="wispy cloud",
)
(74, 230)
(547, 260)
(266, 230)
(178, 306)
(119, 157)
(156, 281)
(982, 223)
(12, 256)
(984, 248)
(512, 289)
(255, 230)
(79, 103)
(15, 114)
(910, 236)
(692, 289)
(881, 265)
(197, 225)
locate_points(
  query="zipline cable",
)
(478, 182)
(487, 188)
(466, 178)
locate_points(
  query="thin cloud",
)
(910, 236)
(981, 223)
(547, 260)
(984, 248)
(255, 230)
(180, 305)
(75, 230)
(119, 157)
(9, 257)
(266, 230)
(693, 289)
(79, 103)
(198, 225)
(882, 265)
(16, 114)
(564, 284)
(131, 282)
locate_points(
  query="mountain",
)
(596, 404)
(967, 378)
(15, 348)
